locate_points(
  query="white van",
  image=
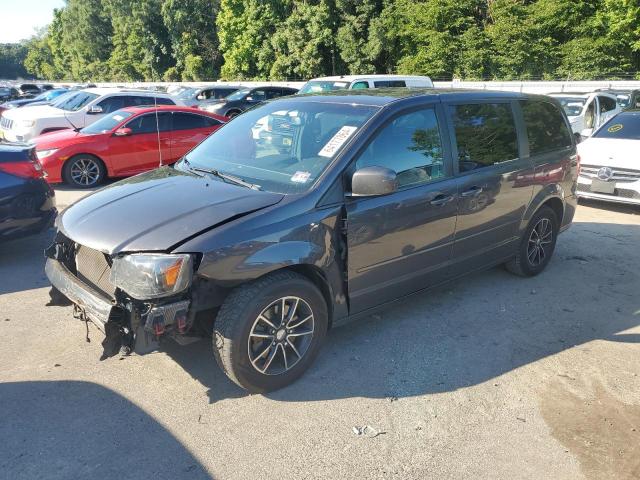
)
(356, 82)
(587, 111)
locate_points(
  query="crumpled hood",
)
(156, 210)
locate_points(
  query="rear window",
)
(485, 135)
(625, 126)
(546, 127)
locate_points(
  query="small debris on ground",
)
(367, 431)
(57, 365)
(7, 319)
(533, 292)
(521, 419)
(564, 375)
(392, 398)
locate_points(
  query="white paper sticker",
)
(300, 177)
(337, 141)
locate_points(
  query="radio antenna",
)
(155, 103)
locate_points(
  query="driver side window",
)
(411, 146)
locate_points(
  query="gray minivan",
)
(369, 197)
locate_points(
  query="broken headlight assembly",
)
(152, 275)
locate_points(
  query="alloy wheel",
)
(85, 172)
(540, 242)
(281, 335)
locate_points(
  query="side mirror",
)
(94, 109)
(373, 181)
(123, 132)
(249, 98)
(587, 132)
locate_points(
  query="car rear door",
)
(147, 147)
(494, 180)
(188, 130)
(400, 243)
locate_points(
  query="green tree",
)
(191, 25)
(304, 44)
(12, 58)
(356, 17)
(245, 28)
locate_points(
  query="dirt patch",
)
(602, 432)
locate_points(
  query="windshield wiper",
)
(224, 176)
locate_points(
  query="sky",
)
(21, 18)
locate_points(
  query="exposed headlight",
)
(26, 123)
(45, 153)
(150, 275)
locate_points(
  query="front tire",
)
(537, 245)
(84, 171)
(269, 331)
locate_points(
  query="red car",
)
(123, 143)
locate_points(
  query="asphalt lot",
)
(492, 376)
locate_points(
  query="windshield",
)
(74, 102)
(107, 123)
(572, 105)
(624, 127)
(281, 146)
(239, 95)
(316, 86)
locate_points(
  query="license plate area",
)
(600, 186)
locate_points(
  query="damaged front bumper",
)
(128, 325)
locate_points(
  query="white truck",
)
(587, 111)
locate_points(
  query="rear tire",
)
(269, 331)
(84, 171)
(537, 245)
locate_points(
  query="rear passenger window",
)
(546, 128)
(389, 83)
(360, 85)
(187, 121)
(410, 145)
(485, 134)
(607, 104)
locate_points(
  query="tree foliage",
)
(278, 39)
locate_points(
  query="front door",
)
(399, 243)
(148, 145)
(494, 182)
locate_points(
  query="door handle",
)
(441, 199)
(472, 192)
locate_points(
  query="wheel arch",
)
(551, 196)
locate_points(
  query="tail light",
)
(24, 169)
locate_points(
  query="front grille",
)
(619, 174)
(94, 269)
(618, 192)
(5, 123)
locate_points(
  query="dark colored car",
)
(27, 202)
(44, 98)
(193, 97)
(242, 100)
(8, 93)
(28, 90)
(381, 194)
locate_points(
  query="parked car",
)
(8, 93)
(27, 202)
(124, 143)
(356, 82)
(626, 98)
(27, 90)
(587, 111)
(193, 97)
(270, 246)
(44, 98)
(239, 101)
(76, 111)
(610, 170)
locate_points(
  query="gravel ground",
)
(492, 376)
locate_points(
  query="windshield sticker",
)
(332, 146)
(615, 128)
(300, 177)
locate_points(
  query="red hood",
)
(61, 138)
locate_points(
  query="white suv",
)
(356, 82)
(73, 110)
